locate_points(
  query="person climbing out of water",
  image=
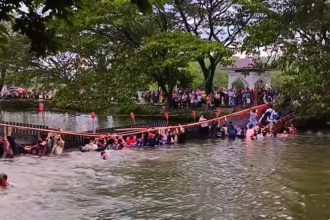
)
(4, 181)
(204, 127)
(58, 145)
(265, 118)
(253, 118)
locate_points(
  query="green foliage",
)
(218, 21)
(166, 58)
(299, 30)
(220, 77)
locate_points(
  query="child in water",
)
(4, 181)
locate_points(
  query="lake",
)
(275, 178)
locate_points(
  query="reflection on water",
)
(215, 179)
(66, 121)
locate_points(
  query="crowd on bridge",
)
(222, 97)
(258, 126)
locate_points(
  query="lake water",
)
(277, 178)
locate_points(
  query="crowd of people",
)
(218, 98)
(48, 144)
(258, 126)
(27, 94)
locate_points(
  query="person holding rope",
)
(204, 127)
(6, 148)
(58, 145)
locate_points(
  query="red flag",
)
(132, 116)
(218, 112)
(166, 117)
(41, 107)
(93, 115)
(193, 114)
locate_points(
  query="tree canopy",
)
(103, 45)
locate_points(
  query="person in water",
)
(232, 131)
(181, 135)
(4, 180)
(58, 145)
(204, 127)
(91, 146)
(250, 133)
(7, 151)
(252, 118)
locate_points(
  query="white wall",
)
(249, 80)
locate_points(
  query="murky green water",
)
(283, 178)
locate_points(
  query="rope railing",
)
(197, 124)
(136, 131)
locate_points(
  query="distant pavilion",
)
(247, 72)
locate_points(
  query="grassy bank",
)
(155, 111)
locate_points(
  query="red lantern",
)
(218, 112)
(132, 117)
(166, 116)
(41, 107)
(193, 114)
(93, 115)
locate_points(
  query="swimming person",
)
(266, 117)
(4, 180)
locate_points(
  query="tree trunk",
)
(2, 78)
(208, 73)
(169, 102)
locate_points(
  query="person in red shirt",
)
(131, 141)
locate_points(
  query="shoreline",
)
(147, 111)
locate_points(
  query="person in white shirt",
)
(91, 146)
(58, 145)
(204, 129)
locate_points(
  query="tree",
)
(165, 58)
(31, 18)
(221, 21)
(14, 56)
(300, 31)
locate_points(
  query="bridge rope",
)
(136, 131)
